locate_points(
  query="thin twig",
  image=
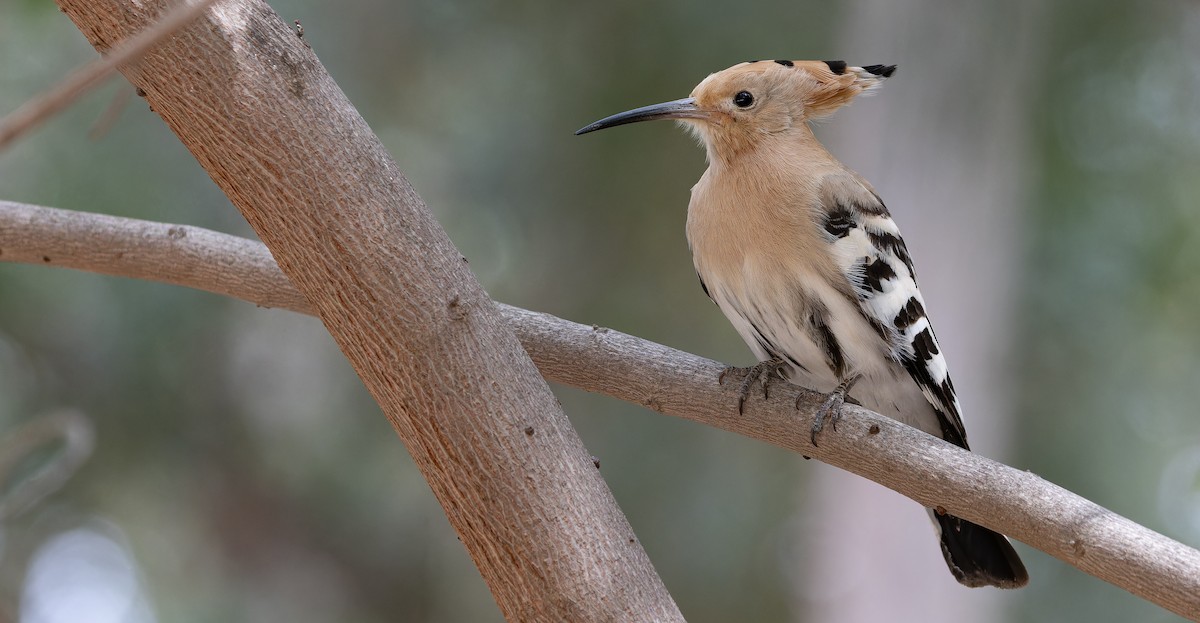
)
(68, 428)
(924, 468)
(109, 117)
(37, 110)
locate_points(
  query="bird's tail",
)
(978, 556)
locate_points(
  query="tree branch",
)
(255, 107)
(922, 467)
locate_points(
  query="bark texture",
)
(255, 107)
(926, 469)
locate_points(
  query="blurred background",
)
(1040, 157)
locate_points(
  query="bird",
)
(804, 259)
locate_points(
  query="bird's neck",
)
(775, 152)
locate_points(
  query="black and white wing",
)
(867, 248)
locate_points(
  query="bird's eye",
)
(743, 99)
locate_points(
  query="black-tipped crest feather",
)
(881, 70)
(837, 67)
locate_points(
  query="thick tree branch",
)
(673, 382)
(255, 107)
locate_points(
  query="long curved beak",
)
(678, 109)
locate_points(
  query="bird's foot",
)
(761, 371)
(830, 410)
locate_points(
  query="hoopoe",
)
(804, 259)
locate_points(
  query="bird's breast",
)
(738, 223)
(761, 255)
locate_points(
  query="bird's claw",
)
(830, 410)
(761, 371)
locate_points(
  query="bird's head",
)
(733, 109)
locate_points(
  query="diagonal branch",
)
(251, 101)
(926, 469)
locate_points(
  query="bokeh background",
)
(1040, 157)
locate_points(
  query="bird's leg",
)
(761, 371)
(831, 409)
